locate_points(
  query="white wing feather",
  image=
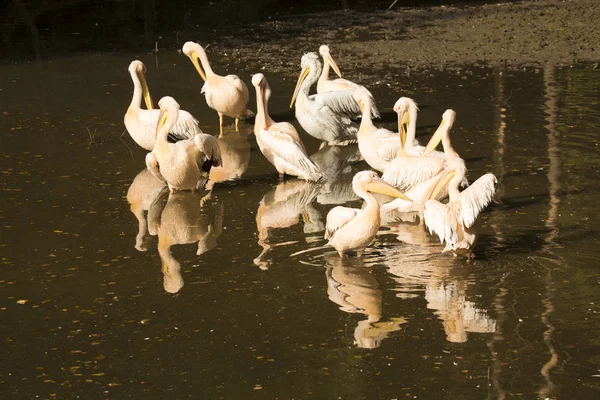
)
(441, 220)
(339, 101)
(406, 172)
(337, 218)
(475, 198)
(186, 126)
(388, 144)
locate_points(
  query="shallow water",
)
(88, 308)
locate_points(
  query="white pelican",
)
(378, 146)
(279, 141)
(456, 222)
(228, 95)
(353, 229)
(410, 167)
(325, 116)
(326, 85)
(141, 124)
(426, 189)
(180, 164)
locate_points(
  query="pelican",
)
(350, 229)
(141, 124)
(279, 141)
(228, 95)
(378, 146)
(235, 154)
(410, 167)
(326, 85)
(325, 116)
(456, 222)
(428, 189)
(179, 164)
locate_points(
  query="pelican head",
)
(448, 118)
(309, 63)
(362, 96)
(137, 68)
(169, 112)
(371, 182)
(258, 80)
(404, 107)
(194, 51)
(324, 52)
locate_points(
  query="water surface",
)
(112, 288)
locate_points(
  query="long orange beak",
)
(329, 60)
(195, 57)
(301, 79)
(146, 91)
(162, 119)
(380, 186)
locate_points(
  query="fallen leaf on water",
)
(22, 301)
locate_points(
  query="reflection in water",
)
(416, 268)
(186, 218)
(280, 208)
(551, 222)
(336, 163)
(142, 195)
(351, 285)
(235, 153)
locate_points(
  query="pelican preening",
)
(279, 141)
(353, 229)
(227, 95)
(456, 222)
(326, 85)
(326, 116)
(180, 163)
(141, 123)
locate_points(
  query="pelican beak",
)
(380, 186)
(435, 139)
(146, 92)
(301, 78)
(162, 119)
(401, 128)
(441, 183)
(260, 104)
(329, 59)
(195, 57)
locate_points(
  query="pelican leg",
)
(341, 253)
(237, 120)
(220, 120)
(359, 253)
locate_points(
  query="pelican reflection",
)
(283, 207)
(416, 269)
(338, 166)
(186, 218)
(235, 153)
(352, 286)
(141, 196)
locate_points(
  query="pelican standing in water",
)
(426, 188)
(410, 168)
(180, 164)
(326, 116)
(456, 222)
(279, 141)
(353, 229)
(228, 95)
(141, 123)
(378, 146)
(326, 85)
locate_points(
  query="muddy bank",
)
(529, 33)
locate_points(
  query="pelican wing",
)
(338, 101)
(337, 218)
(283, 141)
(441, 220)
(405, 172)
(388, 144)
(186, 126)
(475, 198)
(209, 151)
(237, 83)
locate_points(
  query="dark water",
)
(87, 309)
